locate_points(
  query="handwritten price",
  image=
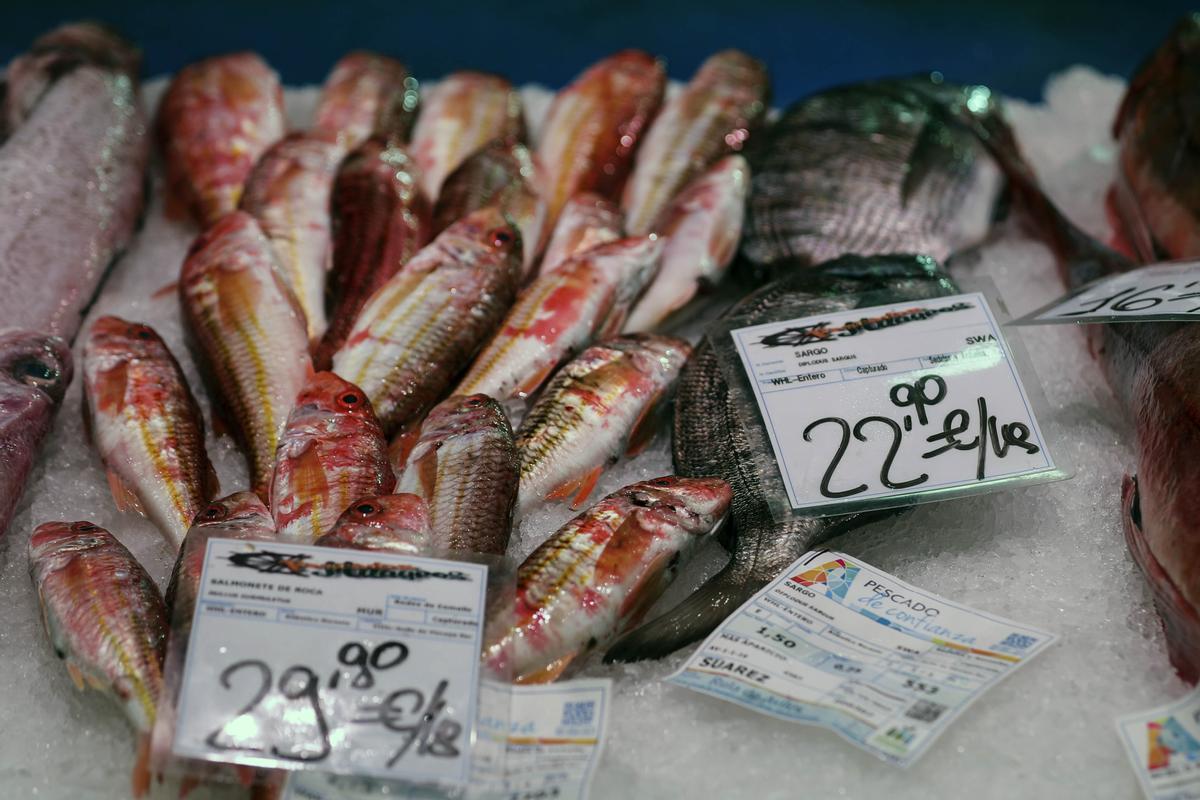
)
(1134, 300)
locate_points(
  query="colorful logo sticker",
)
(1167, 738)
(835, 577)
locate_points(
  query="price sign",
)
(1159, 292)
(877, 405)
(343, 661)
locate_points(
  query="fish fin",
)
(141, 767)
(587, 485)
(928, 150)
(426, 472)
(123, 494)
(531, 384)
(402, 444)
(166, 291)
(549, 673)
(647, 424)
(76, 676)
(1180, 619)
(688, 622)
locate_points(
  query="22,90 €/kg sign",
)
(876, 406)
(338, 660)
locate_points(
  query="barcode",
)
(1019, 641)
(579, 713)
(925, 711)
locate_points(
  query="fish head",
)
(461, 413)
(695, 504)
(1173, 66)
(326, 394)
(222, 246)
(35, 371)
(64, 538)
(392, 512)
(491, 229)
(669, 353)
(113, 340)
(238, 511)
(630, 263)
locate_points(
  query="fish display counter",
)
(445, 438)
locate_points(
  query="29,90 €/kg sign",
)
(338, 660)
(876, 405)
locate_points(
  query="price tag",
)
(837, 643)
(343, 661)
(1157, 292)
(877, 406)
(1163, 745)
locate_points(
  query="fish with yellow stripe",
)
(600, 573)
(423, 326)
(331, 453)
(607, 401)
(105, 619)
(249, 333)
(145, 425)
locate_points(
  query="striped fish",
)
(366, 94)
(587, 220)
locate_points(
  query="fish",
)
(391, 522)
(465, 465)
(718, 111)
(702, 227)
(462, 113)
(35, 371)
(365, 95)
(331, 453)
(559, 314)
(380, 221)
(216, 119)
(105, 619)
(599, 573)
(868, 168)
(288, 192)
(710, 440)
(607, 401)
(593, 128)
(422, 327)
(248, 334)
(587, 220)
(146, 426)
(72, 174)
(498, 174)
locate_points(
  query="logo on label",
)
(824, 331)
(835, 577)
(1166, 738)
(298, 564)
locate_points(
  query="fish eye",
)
(501, 237)
(84, 527)
(33, 372)
(474, 402)
(365, 509)
(143, 334)
(660, 482)
(350, 399)
(214, 511)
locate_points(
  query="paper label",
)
(1156, 292)
(875, 405)
(837, 643)
(338, 660)
(1163, 745)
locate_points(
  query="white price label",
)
(1156, 292)
(876, 405)
(837, 643)
(1163, 745)
(344, 661)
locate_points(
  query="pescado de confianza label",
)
(1163, 745)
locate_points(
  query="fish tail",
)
(688, 622)
(141, 767)
(1180, 620)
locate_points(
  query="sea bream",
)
(559, 314)
(710, 440)
(867, 168)
(105, 619)
(586, 221)
(461, 113)
(217, 118)
(331, 453)
(715, 114)
(701, 226)
(249, 334)
(599, 573)
(594, 126)
(366, 94)
(607, 401)
(72, 174)
(464, 463)
(380, 221)
(35, 371)
(146, 426)
(288, 193)
(424, 325)
(392, 522)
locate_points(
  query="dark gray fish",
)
(867, 168)
(711, 441)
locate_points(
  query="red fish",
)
(366, 94)
(395, 522)
(216, 119)
(587, 220)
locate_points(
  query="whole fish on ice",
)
(366, 94)
(586, 221)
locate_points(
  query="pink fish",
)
(587, 220)
(394, 522)
(366, 94)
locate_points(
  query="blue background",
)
(1012, 45)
